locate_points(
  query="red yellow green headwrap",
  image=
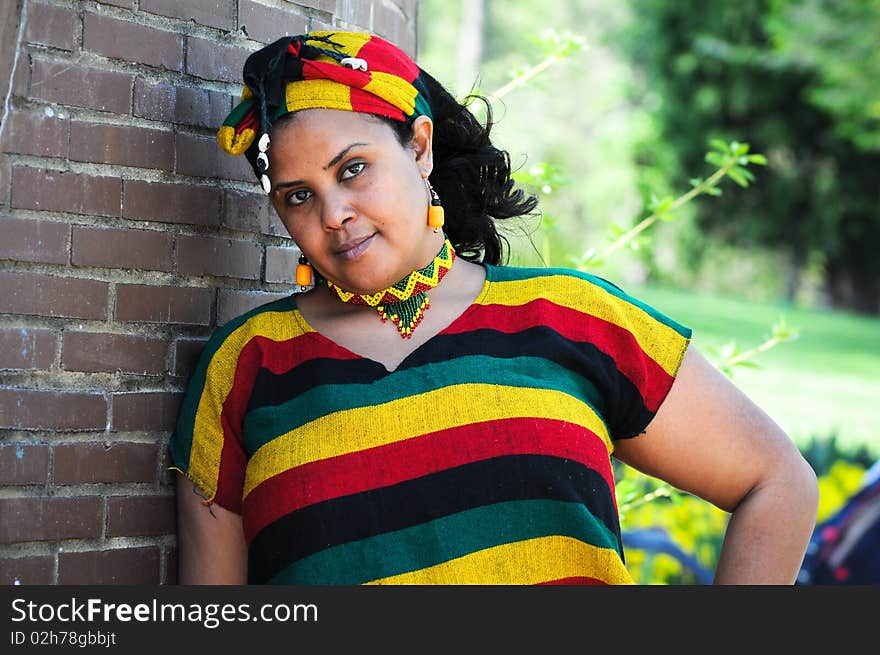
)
(321, 70)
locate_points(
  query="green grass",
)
(826, 382)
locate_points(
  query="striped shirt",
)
(483, 458)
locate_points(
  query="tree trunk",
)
(470, 45)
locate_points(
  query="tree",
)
(778, 74)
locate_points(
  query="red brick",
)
(32, 409)
(154, 102)
(281, 264)
(66, 83)
(125, 4)
(44, 295)
(210, 60)
(201, 157)
(149, 304)
(126, 145)
(213, 13)
(267, 24)
(390, 24)
(121, 248)
(321, 5)
(231, 304)
(201, 107)
(198, 255)
(4, 181)
(140, 44)
(36, 132)
(151, 411)
(77, 193)
(28, 240)
(141, 516)
(24, 464)
(89, 463)
(171, 203)
(120, 566)
(250, 212)
(112, 353)
(171, 566)
(26, 348)
(354, 12)
(36, 570)
(52, 26)
(186, 355)
(50, 519)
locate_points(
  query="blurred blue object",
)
(657, 540)
(845, 549)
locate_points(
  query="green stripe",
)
(511, 274)
(237, 114)
(266, 423)
(181, 441)
(446, 538)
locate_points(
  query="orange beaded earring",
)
(435, 210)
(303, 273)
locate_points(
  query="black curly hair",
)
(471, 176)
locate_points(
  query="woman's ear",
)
(422, 142)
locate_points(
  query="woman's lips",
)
(354, 248)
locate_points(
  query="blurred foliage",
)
(719, 69)
(697, 526)
(797, 78)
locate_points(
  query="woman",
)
(420, 414)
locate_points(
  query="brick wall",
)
(126, 236)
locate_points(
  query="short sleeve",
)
(207, 445)
(642, 350)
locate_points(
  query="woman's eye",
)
(352, 170)
(298, 197)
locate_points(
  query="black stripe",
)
(277, 388)
(582, 358)
(358, 516)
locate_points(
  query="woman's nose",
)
(336, 210)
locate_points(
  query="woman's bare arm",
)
(709, 439)
(210, 540)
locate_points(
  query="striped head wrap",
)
(351, 71)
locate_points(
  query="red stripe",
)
(364, 101)
(388, 59)
(405, 460)
(282, 356)
(277, 357)
(651, 380)
(322, 70)
(575, 580)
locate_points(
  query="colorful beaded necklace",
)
(405, 302)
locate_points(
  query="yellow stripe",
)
(351, 42)
(405, 418)
(318, 94)
(204, 461)
(660, 342)
(523, 563)
(393, 89)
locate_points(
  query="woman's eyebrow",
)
(342, 152)
(333, 162)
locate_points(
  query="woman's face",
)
(352, 197)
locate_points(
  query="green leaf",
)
(719, 145)
(715, 159)
(758, 159)
(736, 175)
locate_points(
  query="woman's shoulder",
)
(542, 280)
(275, 319)
(577, 290)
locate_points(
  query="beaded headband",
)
(351, 71)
